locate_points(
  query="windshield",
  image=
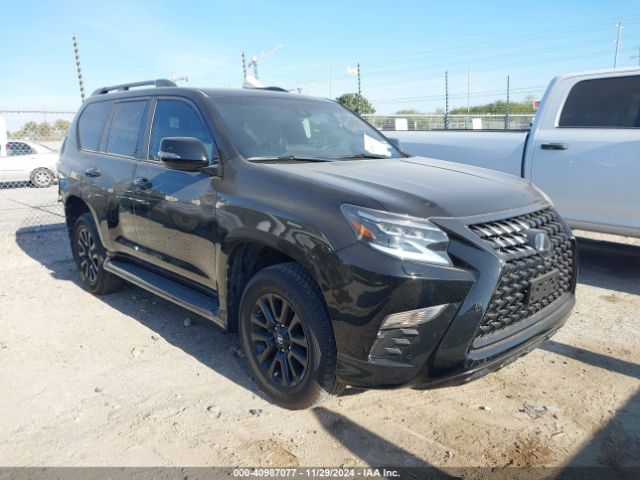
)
(264, 127)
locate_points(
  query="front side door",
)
(175, 210)
(586, 159)
(110, 136)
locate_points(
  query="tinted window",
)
(605, 103)
(19, 148)
(125, 128)
(174, 118)
(91, 124)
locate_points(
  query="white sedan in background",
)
(28, 161)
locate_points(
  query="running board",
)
(200, 303)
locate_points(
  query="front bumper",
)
(449, 348)
(384, 373)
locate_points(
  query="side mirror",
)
(183, 153)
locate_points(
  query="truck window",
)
(91, 124)
(125, 128)
(175, 118)
(603, 103)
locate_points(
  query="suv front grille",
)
(511, 303)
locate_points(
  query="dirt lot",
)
(124, 380)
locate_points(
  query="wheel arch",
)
(241, 259)
(74, 206)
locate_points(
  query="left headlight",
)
(401, 236)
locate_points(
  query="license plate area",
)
(543, 286)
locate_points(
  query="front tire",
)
(42, 178)
(287, 337)
(89, 254)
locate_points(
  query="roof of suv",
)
(163, 87)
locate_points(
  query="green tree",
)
(61, 125)
(27, 130)
(350, 100)
(409, 111)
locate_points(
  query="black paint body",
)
(188, 226)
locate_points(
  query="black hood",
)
(423, 187)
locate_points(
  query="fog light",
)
(412, 317)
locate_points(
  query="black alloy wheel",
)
(88, 258)
(90, 254)
(279, 340)
(287, 337)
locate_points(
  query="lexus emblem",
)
(541, 242)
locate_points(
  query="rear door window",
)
(91, 125)
(126, 124)
(603, 103)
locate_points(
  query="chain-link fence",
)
(440, 121)
(29, 147)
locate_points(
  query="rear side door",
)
(175, 210)
(586, 157)
(110, 136)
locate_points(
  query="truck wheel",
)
(287, 337)
(89, 255)
(42, 178)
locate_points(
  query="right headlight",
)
(397, 235)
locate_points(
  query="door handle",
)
(554, 146)
(142, 183)
(92, 172)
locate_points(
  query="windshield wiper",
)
(363, 155)
(284, 158)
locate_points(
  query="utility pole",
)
(619, 26)
(468, 106)
(446, 100)
(359, 92)
(638, 55)
(78, 69)
(506, 115)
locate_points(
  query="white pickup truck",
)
(583, 149)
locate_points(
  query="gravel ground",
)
(130, 379)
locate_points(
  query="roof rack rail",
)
(161, 82)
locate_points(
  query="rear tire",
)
(89, 254)
(42, 178)
(287, 337)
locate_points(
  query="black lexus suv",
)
(339, 259)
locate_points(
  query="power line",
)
(563, 32)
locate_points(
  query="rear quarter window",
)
(603, 103)
(91, 125)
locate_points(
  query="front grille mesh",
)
(509, 305)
